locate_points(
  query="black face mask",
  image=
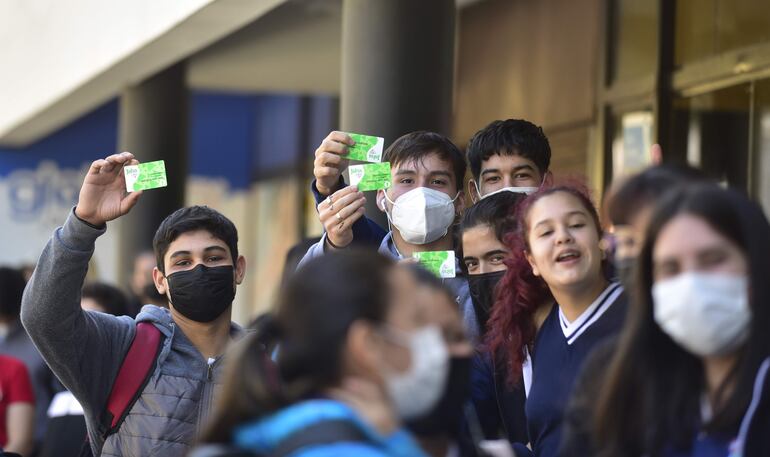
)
(202, 294)
(624, 270)
(446, 416)
(482, 290)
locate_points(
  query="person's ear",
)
(460, 203)
(547, 179)
(381, 201)
(362, 354)
(531, 261)
(473, 191)
(160, 281)
(240, 269)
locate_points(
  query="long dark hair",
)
(520, 292)
(651, 394)
(310, 325)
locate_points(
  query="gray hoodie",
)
(86, 349)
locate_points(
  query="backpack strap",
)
(326, 432)
(133, 375)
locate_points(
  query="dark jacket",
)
(499, 404)
(753, 436)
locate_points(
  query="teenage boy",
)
(198, 269)
(422, 206)
(513, 154)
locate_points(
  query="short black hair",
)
(646, 188)
(112, 299)
(497, 211)
(511, 137)
(11, 290)
(417, 145)
(190, 219)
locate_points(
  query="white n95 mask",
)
(422, 215)
(418, 390)
(707, 314)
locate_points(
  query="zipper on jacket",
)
(204, 408)
(210, 371)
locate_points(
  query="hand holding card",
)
(103, 195)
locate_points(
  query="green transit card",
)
(441, 263)
(367, 148)
(143, 176)
(370, 176)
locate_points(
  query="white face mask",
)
(515, 190)
(416, 391)
(422, 215)
(707, 314)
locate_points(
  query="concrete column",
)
(153, 126)
(397, 69)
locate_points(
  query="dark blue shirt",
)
(560, 349)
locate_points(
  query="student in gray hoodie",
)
(198, 269)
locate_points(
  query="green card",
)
(441, 263)
(150, 175)
(370, 176)
(367, 148)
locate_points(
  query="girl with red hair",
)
(556, 258)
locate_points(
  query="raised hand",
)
(339, 212)
(103, 196)
(656, 153)
(328, 164)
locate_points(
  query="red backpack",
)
(134, 373)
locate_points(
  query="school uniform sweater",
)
(560, 349)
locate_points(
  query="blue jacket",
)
(264, 435)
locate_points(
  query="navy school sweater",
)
(559, 352)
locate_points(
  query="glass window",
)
(711, 132)
(631, 142)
